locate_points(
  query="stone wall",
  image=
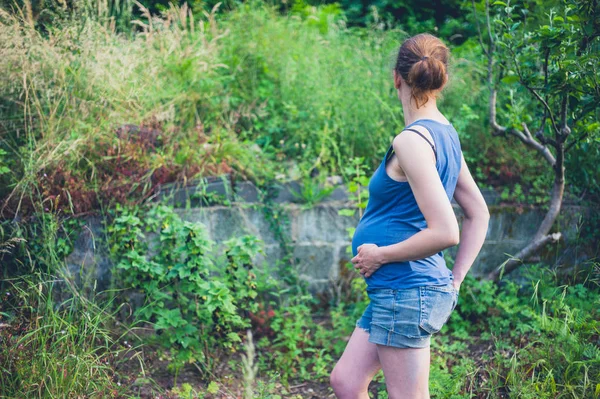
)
(319, 235)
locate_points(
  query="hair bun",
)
(427, 75)
(422, 63)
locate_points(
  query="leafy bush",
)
(198, 302)
(546, 330)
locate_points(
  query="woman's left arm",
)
(416, 160)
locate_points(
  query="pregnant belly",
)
(377, 235)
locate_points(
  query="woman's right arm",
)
(475, 223)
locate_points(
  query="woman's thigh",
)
(359, 362)
(406, 371)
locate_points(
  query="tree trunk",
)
(542, 236)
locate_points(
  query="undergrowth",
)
(55, 343)
(537, 339)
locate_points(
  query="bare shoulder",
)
(411, 136)
(408, 144)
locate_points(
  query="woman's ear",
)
(397, 80)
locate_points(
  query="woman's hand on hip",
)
(456, 285)
(368, 259)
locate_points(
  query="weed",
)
(54, 347)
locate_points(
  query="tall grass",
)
(52, 347)
(57, 339)
(68, 94)
(91, 115)
(327, 95)
(537, 340)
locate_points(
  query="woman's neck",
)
(427, 111)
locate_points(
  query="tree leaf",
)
(510, 79)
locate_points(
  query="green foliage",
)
(567, 41)
(45, 15)
(358, 187)
(545, 330)
(546, 77)
(38, 245)
(54, 342)
(197, 302)
(186, 391)
(322, 16)
(249, 92)
(303, 79)
(443, 18)
(105, 133)
(302, 349)
(312, 191)
(3, 168)
(256, 93)
(293, 350)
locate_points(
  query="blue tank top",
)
(393, 215)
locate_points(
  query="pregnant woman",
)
(408, 222)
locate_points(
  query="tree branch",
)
(523, 254)
(479, 34)
(572, 143)
(565, 130)
(489, 25)
(525, 137)
(544, 140)
(535, 93)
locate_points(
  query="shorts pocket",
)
(437, 304)
(382, 304)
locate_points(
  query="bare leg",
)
(406, 371)
(354, 371)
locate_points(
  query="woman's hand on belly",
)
(368, 259)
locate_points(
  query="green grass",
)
(249, 91)
(54, 344)
(539, 340)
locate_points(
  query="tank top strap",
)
(389, 153)
(432, 145)
(432, 131)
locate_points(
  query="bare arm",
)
(475, 224)
(417, 163)
(416, 159)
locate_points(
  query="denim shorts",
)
(407, 318)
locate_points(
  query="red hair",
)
(423, 62)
